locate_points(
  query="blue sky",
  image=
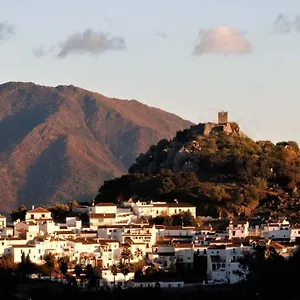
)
(155, 63)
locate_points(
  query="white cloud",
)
(222, 40)
(90, 42)
(6, 30)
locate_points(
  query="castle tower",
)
(223, 117)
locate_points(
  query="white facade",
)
(35, 253)
(295, 233)
(222, 262)
(73, 223)
(238, 229)
(154, 209)
(97, 220)
(2, 221)
(103, 208)
(38, 214)
(277, 230)
(7, 231)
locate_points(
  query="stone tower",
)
(223, 117)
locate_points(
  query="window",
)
(32, 216)
(43, 215)
(233, 232)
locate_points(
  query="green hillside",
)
(222, 171)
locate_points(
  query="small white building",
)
(36, 253)
(154, 209)
(97, 220)
(163, 254)
(38, 214)
(238, 229)
(277, 229)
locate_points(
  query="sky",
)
(192, 58)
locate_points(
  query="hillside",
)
(62, 142)
(219, 169)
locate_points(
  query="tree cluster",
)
(184, 219)
(267, 273)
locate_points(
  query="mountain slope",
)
(58, 143)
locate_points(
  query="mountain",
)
(219, 169)
(61, 142)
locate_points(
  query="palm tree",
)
(114, 270)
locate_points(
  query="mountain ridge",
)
(85, 131)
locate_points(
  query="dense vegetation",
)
(222, 174)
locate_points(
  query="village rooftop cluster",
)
(111, 228)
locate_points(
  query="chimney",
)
(32, 207)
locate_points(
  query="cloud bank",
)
(90, 42)
(222, 40)
(6, 30)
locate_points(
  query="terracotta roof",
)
(184, 245)
(10, 239)
(22, 246)
(217, 247)
(64, 232)
(141, 226)
(102, 216)
(106, 204)
(2, 217)
(160, 226)
(38, 210)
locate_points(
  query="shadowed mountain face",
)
(62, 143)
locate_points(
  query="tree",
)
(124, 269)
(78, 270)
(185, 219)
(63, 263)
(26, 267)
(126, 255)
(114, 270)
(50, 263)
(19, 213)
(90, 275)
